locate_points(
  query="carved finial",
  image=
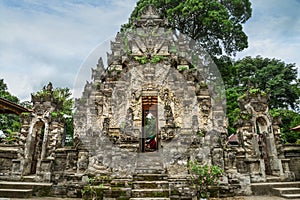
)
(100, 64)
(150, 12)
(150, 18)
(98, 72)
(49, 86)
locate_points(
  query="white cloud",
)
(42, 41)
(48, 41)
(273, 31)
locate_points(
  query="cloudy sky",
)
(59, 41)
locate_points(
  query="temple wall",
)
(292, 153)
(8, 153)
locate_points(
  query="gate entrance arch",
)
(149, 137)
(36, 145)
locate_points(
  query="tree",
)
(216, 25)
(65, 96)
(289, 120)
(5, 94)
(9, 123)
(273, 76)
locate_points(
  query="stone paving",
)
(235, 198)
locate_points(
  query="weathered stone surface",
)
(261, 154)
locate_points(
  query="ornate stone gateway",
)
(260, 138)
(157, 94)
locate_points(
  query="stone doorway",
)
(262, 132)
(149, 137)
(36, 145)
(264, 153)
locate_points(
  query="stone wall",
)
(292, 153)
(8, 153)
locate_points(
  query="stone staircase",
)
(289, 190)
(289, 193)
(150, 181)
(24, 189)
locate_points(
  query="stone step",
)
(277, 184)
(118, 192)
(150, 162)
(120, 182)
(267, 188)
(281, 191)
(291, 196)
(38, 189)
(150, 193)
(272, 179)
(150, 167)
(150, 171)
(23, 185)
(29, 178)
(150, 185)
(150, 177)
(16, 193)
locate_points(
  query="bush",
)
(203, 177)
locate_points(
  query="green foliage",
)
(5, 94)
(11, 137)
(260, 75)
(8, 122)
(215, 25)
(150, 126)
(200, 133)
(256, 91)
(141, 59)
(43, 93)
(182, 68)
(69, 128)
(54, 115)
(203, 177)
(233, 110)
(268, 75)
(92, 191)
(289, 120)
(63, 96)
(245, 116)
(156, 59)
